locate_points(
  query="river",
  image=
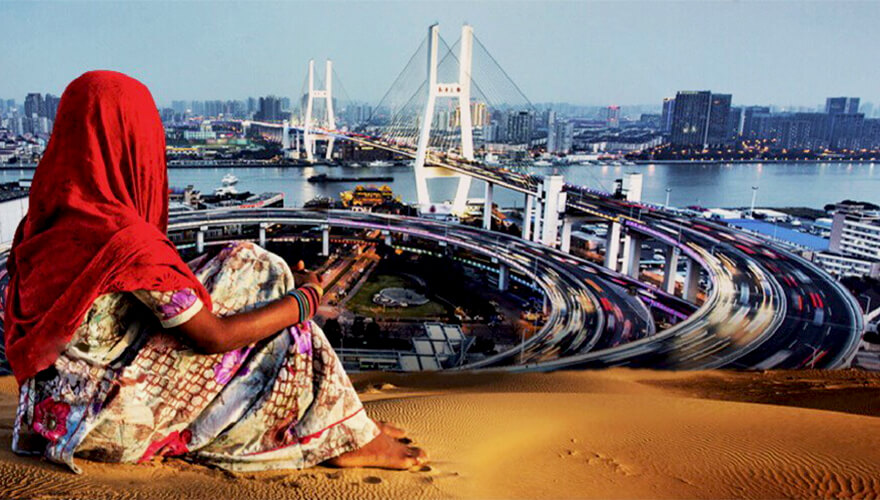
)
(710, 185)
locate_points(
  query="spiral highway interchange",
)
(598, 317)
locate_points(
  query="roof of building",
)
(770, 213)
(781, 233)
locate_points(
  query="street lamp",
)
(754, 196)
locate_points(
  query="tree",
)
(373, 334)
(333, 332)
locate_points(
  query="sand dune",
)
(606, 434)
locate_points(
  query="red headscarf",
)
(97, 219)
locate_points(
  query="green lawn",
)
(362, 302)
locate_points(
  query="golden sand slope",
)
(608, 434)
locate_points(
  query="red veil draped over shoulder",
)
(97, 219)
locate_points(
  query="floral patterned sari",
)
(127, 390)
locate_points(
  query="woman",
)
(124, 353)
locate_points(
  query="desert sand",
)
(600, 434)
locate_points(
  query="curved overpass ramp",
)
(585, 310)
(766, 307)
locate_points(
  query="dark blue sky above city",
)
(580, 52)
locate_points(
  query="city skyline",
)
(218, 56)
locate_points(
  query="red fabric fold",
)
(97, 219)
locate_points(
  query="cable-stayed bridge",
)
(761, 306)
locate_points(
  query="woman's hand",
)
(302, 276)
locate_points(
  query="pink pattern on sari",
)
(174, 443)
(50, 419)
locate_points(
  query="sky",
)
(593, 53)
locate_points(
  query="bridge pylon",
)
(460, 89)
(326, 93)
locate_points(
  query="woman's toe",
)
(418, 455)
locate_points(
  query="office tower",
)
(690, 119)
(717, 133)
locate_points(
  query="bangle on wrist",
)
(318, 288)
(307, 298)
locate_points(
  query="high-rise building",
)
(690, 119)
(842, 105)
(33, 105)
(749, 126)
(871, 133)
(270, 109)
(479, 114)
(794, 130)
(666, 116)
(50, 106)
(520, 127)
(717, 133)
(198, 108)
(846, 130)
(560, 137)
(612, 116)
(734, 124)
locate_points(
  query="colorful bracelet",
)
(307, 297)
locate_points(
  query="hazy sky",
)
(581, 52)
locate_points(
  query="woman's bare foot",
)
(390, 429)
(383, 452)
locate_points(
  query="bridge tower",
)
(460, 89)
(309, 138)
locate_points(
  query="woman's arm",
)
(212, 334)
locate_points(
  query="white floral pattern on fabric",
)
(132, 391)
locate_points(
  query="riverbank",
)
(610, 163)
(756, 161)
(600, 434)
